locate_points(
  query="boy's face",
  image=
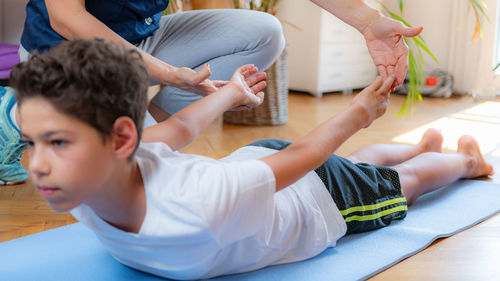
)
(68, 160)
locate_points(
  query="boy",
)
(185, 216)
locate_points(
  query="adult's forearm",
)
(353, 12)
(71, 20)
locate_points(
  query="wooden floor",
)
(470, 255)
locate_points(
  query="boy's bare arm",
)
(312, 150)
(241, 92)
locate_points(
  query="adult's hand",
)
(384, 38)
(195, 82)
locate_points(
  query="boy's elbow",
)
(185, 132)
(311, 155)
(188, 134)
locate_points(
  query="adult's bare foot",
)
(478, 167)
(432, 141)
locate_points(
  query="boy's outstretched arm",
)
(312, 150)
(243, 91)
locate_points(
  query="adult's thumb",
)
(412, 31)
(204, 73)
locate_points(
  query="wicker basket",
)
(274, 109)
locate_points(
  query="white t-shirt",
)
(207, 217)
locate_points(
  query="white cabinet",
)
(324, 53)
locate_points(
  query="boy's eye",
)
(59, 143)
(28, 143)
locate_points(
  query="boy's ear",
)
(124, 137)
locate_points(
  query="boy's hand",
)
(374, 98)
(247, 90)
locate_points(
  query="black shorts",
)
(368, 196)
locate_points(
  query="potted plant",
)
(268, 6)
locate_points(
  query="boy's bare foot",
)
(432, 141)
(467, 145)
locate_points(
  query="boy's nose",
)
(38, 164)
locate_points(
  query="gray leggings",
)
(226, 39)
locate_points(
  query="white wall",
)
(436, 18)
(12, 15)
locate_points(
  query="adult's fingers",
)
(400, 70)
(382, 71)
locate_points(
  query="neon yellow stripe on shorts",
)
(377, 215)
(372, 207)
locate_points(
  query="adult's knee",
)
(265, 31)
(270, 27)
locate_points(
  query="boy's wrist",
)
(360, 113)
(230, 93)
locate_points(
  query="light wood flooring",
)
(470, 255)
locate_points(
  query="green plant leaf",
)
(496, 67)
(416, 65)
(422, 45)
(479, 6)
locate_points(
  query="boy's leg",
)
(11, 146)
(393, 154)
(430, 171)
(226, 39)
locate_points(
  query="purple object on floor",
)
(8, 58)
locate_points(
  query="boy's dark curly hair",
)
(95, 81)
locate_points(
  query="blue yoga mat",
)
(73, 253)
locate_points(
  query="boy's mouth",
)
(46, 191)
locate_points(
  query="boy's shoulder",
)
(148, 146)
(162, 150)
